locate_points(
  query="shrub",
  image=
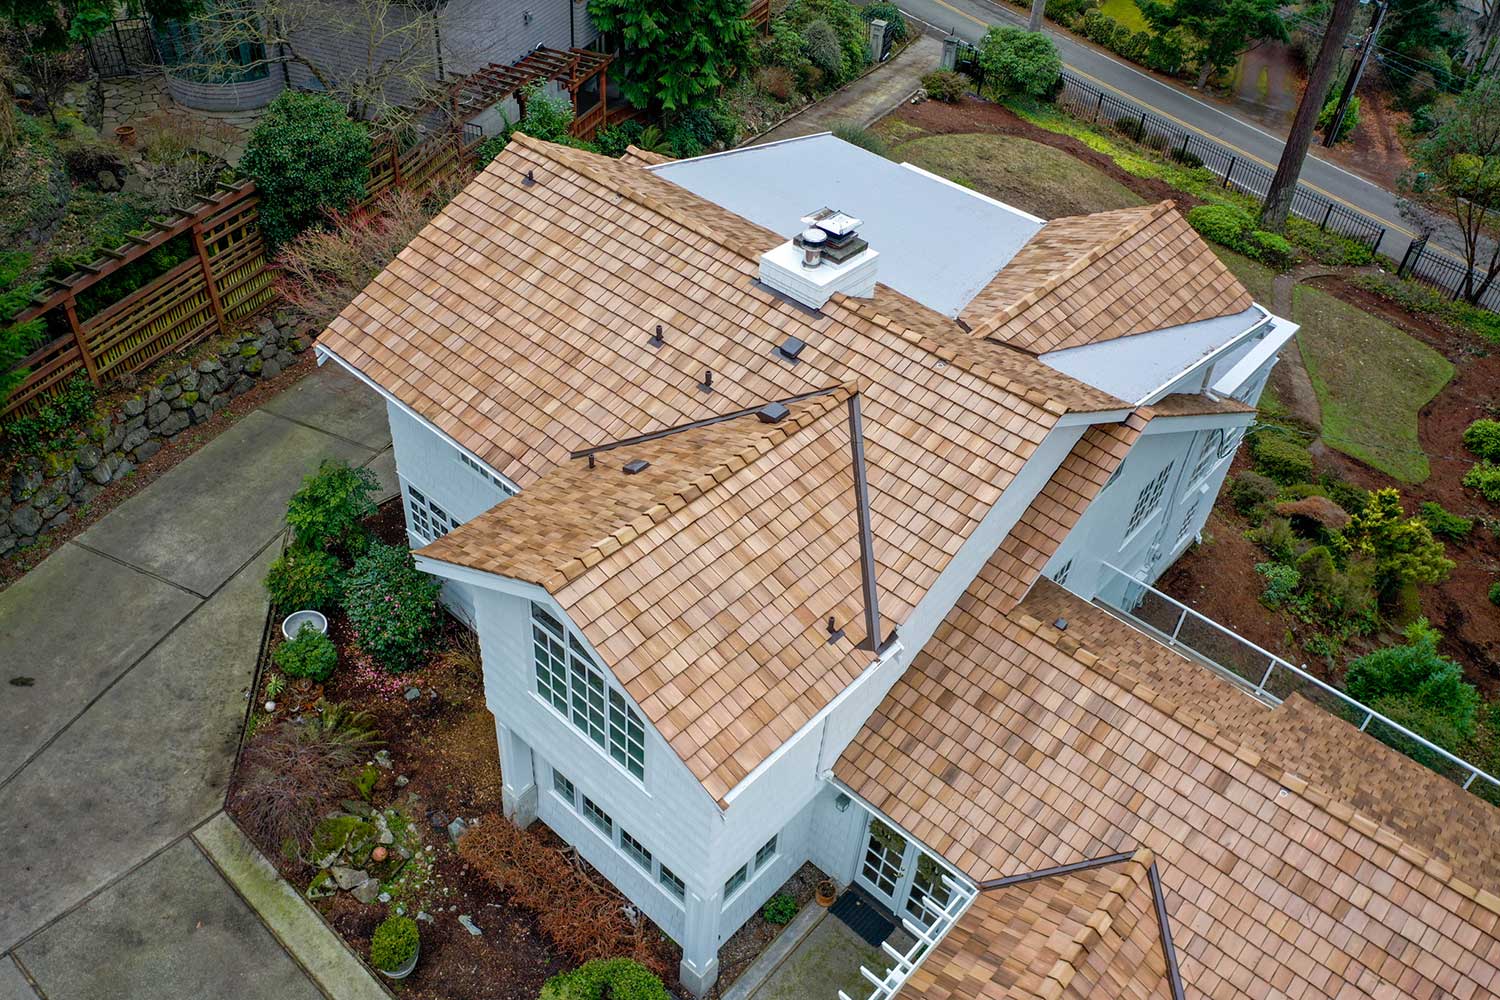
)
(1403, 548)
(1445, 524)
(1271, 249)
(307, 157)
(1250, 490)
(1225, 225)
(392, 606)
(776, 82)
(1186, 157)
(583, 918)
(1351, 115)
(1327, 247)
(1069, 12)
(894, 20)
(309, 654)
(1495, 592)
(612, 140)
(1417, 687)
(1277, 538)
(779, 909)
(614, 978)
(1167, 52)
(821, 46)
(329, 509)
(1484, 477)
(693, 132)
(304, 579)
(1482, 437)
(1281, 583)
(1281, 458)
(293, 771)
(947, 86)
(862, 137)
(1018, 63)
(849, 28)
(394, 943)
(547, 118)
(1348, 496)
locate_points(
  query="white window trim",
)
(1154, 511)
(484, 471)
(754, 867)
(615, 838)
(430, 511)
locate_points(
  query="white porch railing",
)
(884, 986)
(1266, 675)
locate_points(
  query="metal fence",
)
(1439, 270)
(127, 46)
(1269, 677)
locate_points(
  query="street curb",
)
(300, 929)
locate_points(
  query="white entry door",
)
(899, 874)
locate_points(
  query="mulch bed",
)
(172, 452)
(746, 944)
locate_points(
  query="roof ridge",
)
(1135, 871)
(773, 436)
(1338, 809)
(1143, 216)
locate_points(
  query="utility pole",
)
(1039, 8)
(1368, 46)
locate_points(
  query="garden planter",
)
(406, 969)
(126, 135)
(294, 622)
(827, 892)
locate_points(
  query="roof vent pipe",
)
(812, 241)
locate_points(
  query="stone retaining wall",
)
(44, 491)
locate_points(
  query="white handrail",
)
(1261, 689)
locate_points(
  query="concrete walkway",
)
(869, 98)
(125, 662)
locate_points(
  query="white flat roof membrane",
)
(939, 243)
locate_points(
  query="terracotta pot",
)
(126, 134)
(827, 892)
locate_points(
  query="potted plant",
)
(827, 892)
(394, 948)
(293, 623)
(126, 135)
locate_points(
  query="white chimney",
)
(825, 258)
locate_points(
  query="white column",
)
(518, 792)
(700, 942)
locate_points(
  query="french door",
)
(899, 874)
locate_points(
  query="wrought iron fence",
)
(1437, 269)
(1269, 677)
(127, 46)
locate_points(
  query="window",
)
(568, 679)
(1213, 442)
(1188, 519)
(598, 817)
(562, 786)
(766, 853)
(1149, 498)
(672, 883)
(635, 850)
(1114, 475)
(493, 479)
(737, 881)
(1229, 441)
(428, 520)
(1061, 576)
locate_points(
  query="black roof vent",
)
(772, 413)
(790, 348)
(636, 465)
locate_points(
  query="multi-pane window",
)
(1187, 519)
(766, 853)
(1061, 576)
(736, 881)
(493, 479)
(568, 679)
(598, 817)
(1114, 475)
(635, 850)
(671, 882)
(1229, 440)
(1212, 444)
(428, 520)
(562, 786)
(1149, 498)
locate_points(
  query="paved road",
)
(970, 18)
(139, 638)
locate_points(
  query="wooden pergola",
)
(580, 71)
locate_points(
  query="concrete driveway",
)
(125, 663)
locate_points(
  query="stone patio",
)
(824, 956)
(131, 100)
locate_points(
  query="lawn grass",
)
(1035, 178)
(1256, 277)
(1371, 379)
(1126, 13)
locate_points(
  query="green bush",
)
(1405, 552)
(1482, 437)
(1484, 477)
(1271, 249)
(1281, 583)
(1445, 524)
(1167, 52)
(392, 606)
(1069, 12)
(310, 654)
(56, 420)
(1417, 687)
(1225, 225)
(307, 157)
(862, 137)
(1278, 539)
(329, 509)
(894, 20)
(848, 26)
(1348, 496)
(947, 86)
(693, 132)
(616, 978)
(821, 46)
(779, 909)
(612, 140)
(1495, 592)
(1327, 247)
(304, 579)
(394, 943)
(1351, 116)
(1281, 458)
(1250, 490)
(1016, 62)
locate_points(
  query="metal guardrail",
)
(1267, 676)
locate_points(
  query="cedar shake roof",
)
(1091, 278)
(1008, 746)
(1185, 404)
(639, 157)
(705, 580)
(1087, 935)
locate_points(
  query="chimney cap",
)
(832, 221)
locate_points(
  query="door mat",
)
(864, 917)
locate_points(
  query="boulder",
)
(74, 481)
(270, 369)
(200, 412)
(135, 438)
(55, 505)
(25, 521)
(147, 449)
(171, 391)
(367, 891)
(122, 468)
(176, 422)
(134, 407)
(112, 440)
(210, 366)
(107, 181)
(243, 385)
(25, 481)
(158, 412)
(348, 878)
(1320, 510)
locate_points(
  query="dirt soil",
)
(1375, 150)
(974, 115)
(745, 945)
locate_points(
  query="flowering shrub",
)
(392, 606)
(310, 654)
